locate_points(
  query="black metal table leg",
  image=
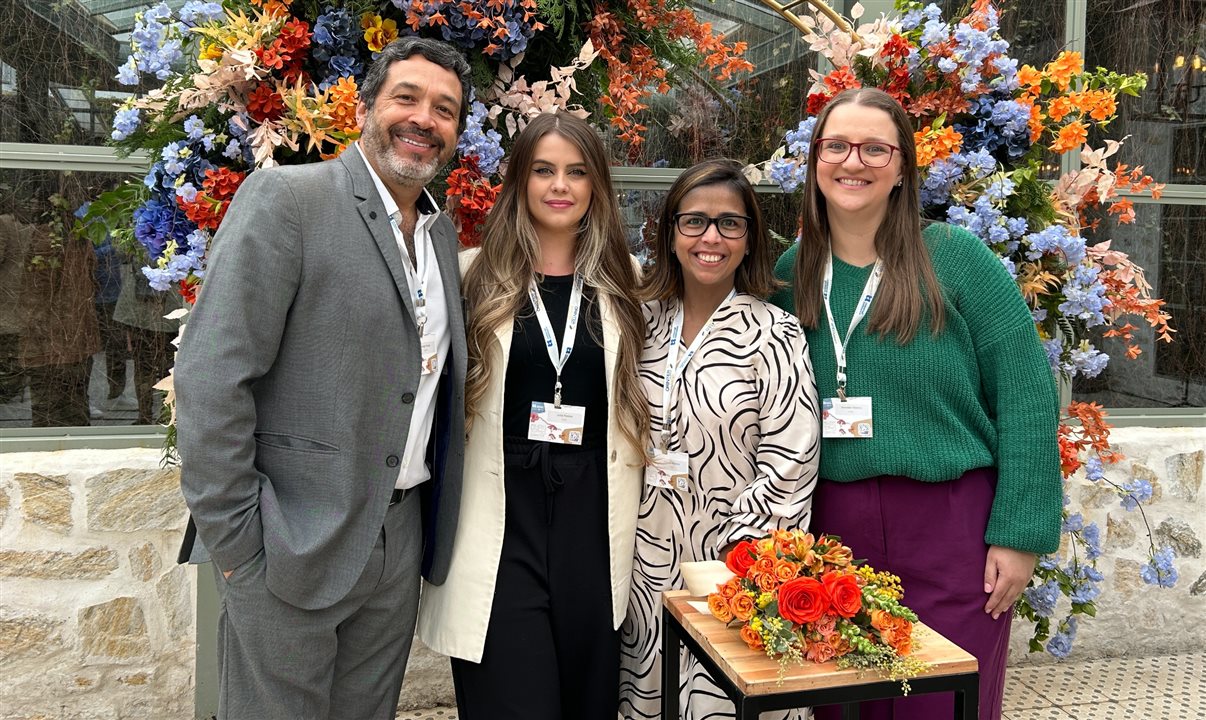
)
(669, 666)
(967, 698)
(850, 711)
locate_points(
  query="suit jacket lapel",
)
(445, 243)
(372, 211)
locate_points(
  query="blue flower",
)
(1073, 522)
(194, 127)
(125, 121)
(934, 32)
(1160, 569)
(233, 150)
(800, 140)
(198, 12)
(1088, 360)
(788, 174)
(910, 20)
(1137, 491)
(485, 145)
(127, 74)
(1093, 470)
(1042, 598)
(1091, 536)
(1060, 644)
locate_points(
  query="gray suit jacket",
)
(295, 383)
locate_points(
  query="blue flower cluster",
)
(334, 45)
(790, 172)
(997, 123)
(470, 32)
(125, 121)
(944, 174)
(973, 46)
(1160, 569)
(485, 145)
(156, 43)
(1042, 598)
(1084, 296)
(1137, 491)
(199, 12)
(1060, 643)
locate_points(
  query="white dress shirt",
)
(414, 469)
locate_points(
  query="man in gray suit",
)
(320, 405)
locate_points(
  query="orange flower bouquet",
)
(797, 597)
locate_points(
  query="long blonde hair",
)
(496, 284)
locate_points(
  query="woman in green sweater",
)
(939, 458)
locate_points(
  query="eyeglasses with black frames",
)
(874, 154)
(733, 227)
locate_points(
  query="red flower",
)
(803, 600)
(844, 592)
(741, 558)
(897, 48)
(265, 104)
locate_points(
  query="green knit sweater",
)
(979, 394)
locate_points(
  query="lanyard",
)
(864, 304)
(675, 368)
(420, 270)
(558, 356)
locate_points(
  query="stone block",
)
(1180, 536)
(1199, 586)
(1120, 533)
(1185, 474)
(46, 501)
(130, 500)
(89, 564)
(29, 636)
(144, 562)
(176, 599)
(1139, 471)
(1126, 578)
(1094, 496)
(116, 629)
(4, 505)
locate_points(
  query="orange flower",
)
(1061, 69)
(786, 570)
(844, 592)
(766, 582)
(804, 543)
(936, 144)
(742, 606)
(803, 600)
(729, 590)
(765, 565)
(741, 558)
(1071, 137)
(1030, 79)
(719, 608)
(820, 652)
(841, 556)
(1060, 107)
(342, 99)
(751, 637)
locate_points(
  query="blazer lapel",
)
(445, 243)
(372, 211)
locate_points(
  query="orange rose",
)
(820, 652)
(765, 565)
(720, 608)
(751, 637)
(803, 600)
(786, 570)
(741, 558)
(729, 590)
(844, 592)
(742, 606)
(766, 582)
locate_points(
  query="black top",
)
(530, 374)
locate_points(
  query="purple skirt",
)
(932, 536)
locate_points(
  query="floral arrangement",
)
(984, 127)
(797, 597)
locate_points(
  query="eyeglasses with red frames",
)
(873, 154)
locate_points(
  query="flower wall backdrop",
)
(248, 84)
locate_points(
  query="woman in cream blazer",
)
(531, 631)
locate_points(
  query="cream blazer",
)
(453, 617)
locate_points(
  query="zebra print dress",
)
(748, 417)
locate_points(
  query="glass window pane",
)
(1167, 123)
(82, 335)
(1167, 241)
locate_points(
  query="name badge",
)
(670, 470)
(846, 419)
(562, 425)
(429, 357)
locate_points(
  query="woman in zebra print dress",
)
(742, 413)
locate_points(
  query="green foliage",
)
(110, 215)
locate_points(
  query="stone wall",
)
(1134, 618)
(96, 619)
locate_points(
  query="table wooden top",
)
(754, 673)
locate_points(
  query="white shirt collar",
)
(425, 204)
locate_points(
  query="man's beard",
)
(403, 171)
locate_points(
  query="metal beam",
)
(34, 156)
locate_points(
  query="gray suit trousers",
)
(343, 662)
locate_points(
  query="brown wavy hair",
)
(496, 284)
(756, 273)
(900, 304)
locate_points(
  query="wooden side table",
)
(751, 679)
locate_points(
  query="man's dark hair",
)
(440, 53)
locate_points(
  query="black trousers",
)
(551, 652)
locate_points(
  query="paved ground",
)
(1169, 687)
